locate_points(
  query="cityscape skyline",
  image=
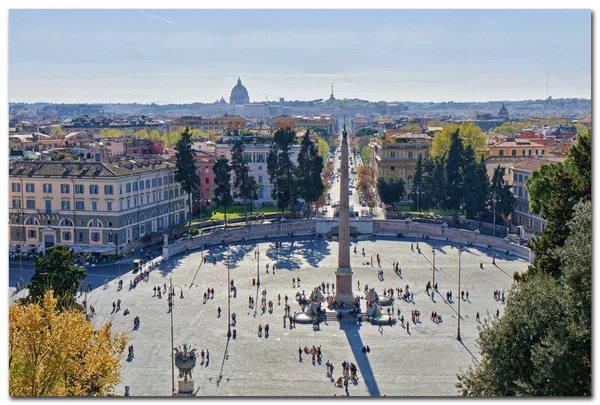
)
(127, 56)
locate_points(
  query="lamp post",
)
(228, 295)
(458, 292)
(494, 200)
(417, 191)
(20, 214)
(171, 303)
(433, 267)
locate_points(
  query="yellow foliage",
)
(54, 353)
(470, 135)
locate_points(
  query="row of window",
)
(65, 205)
(393, 168)
(519, 177)
(410, 155)
(526, 152)
(93, 188)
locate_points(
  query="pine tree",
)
(505, 200)
(56, 272)
(476, 186)
(281, 170)
(310, 166)
(222, 197)
(186, 173)
(454, 169)
(440, 181)
(239, 166)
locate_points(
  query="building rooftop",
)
(531, 165)
(78, 169)
(516, 143)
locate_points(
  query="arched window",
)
(66, 222)
(154, 214)
(31, 221)
(129, 221)
(166, 210)
(142, 217)
(95, 223)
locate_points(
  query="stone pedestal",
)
(343, 286)
(185, 387)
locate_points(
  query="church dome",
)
(239, 94)
(503, 111)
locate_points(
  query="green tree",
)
(309, 169)
(56, 272)
(418, 185)
(156, 136)
(142, 134)
(554, 191)
(186, 173)
(366, 131)
(390, 189)
(476, 185)
(57, 130)
(365, 154)
(415, 128)
(454, 175)
(509, 128)
(440, 182)
(501, 191)
(542, 344)
(324, 148)
(222, 197)
(109, 133)
(470, 134)
(281, 170)
(239, 164)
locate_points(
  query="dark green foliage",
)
(390, 189)
(239, 165)
(542, 344)
(505, 199)
(476, 184)
(454, 177)
(222, 197)
(310, 166)
(418, 185)
(56, 271)
(569, 183)
(186, 173)
(281, 170)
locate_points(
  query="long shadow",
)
(499, 268)
(450, 305)
(351, 329)
(467, 349)
(223, 362)
(237, 255)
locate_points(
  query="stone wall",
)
(388, 227)
(441, 232)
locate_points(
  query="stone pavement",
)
(422, 363)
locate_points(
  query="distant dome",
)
(239, 94)
(503, 113)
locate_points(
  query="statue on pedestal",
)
(185, 360)
(166, 239)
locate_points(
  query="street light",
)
(458, 292)
(20, 214)
(417, 191)
(228, 295)
(433, 267)
(171, 303)
(494, 200)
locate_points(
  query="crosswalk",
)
(125, 261)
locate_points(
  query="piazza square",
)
(421, 362)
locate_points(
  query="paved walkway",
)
(423, 362)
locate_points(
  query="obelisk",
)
(343, 275)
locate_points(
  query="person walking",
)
(300, 354)
(218, 312)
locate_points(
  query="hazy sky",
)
(184, 56)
